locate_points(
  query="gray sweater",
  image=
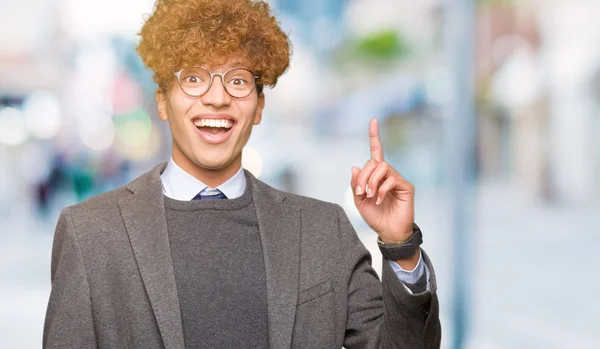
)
(219, 272)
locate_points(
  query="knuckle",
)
(391, 182)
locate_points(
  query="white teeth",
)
(223, 123)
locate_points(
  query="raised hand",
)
(383, 197)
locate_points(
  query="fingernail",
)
(369, 192)
(359, 190)
(378, 201)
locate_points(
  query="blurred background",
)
(490, 108)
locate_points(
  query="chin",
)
(212, 164)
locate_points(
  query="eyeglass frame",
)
(212, 75)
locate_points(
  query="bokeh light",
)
(43, 115)
(13, 129)
(100, 138)
(133, 129)
(252, 161)
(137, 139)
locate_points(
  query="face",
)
(211, 154)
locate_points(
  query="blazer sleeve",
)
(69, 322)
(383, 314)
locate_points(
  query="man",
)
(198, 253)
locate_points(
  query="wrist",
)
(398, 238)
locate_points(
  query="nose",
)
(216, 95)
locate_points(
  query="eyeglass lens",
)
(196, 82)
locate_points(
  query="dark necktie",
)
(208, 194)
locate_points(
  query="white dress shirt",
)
(180, 185)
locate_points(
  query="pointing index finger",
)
(375, 142)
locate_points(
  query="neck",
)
(211, 177)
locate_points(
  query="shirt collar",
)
(180, 185)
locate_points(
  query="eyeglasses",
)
(196, 81)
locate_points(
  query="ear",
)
(259, 109)
(161, 103)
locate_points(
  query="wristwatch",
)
(403, 250)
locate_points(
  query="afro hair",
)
(185, 33)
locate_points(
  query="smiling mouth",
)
(214, 130)
(214, 126)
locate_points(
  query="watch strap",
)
(402, 250)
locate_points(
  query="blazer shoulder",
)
(317, 209)
(99, 205)
(109, 200)
(303, 201)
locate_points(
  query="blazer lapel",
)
(143, 213)
(280, 226)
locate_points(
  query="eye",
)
(238, 81)
(192, 79)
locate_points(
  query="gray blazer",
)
(113, 283)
